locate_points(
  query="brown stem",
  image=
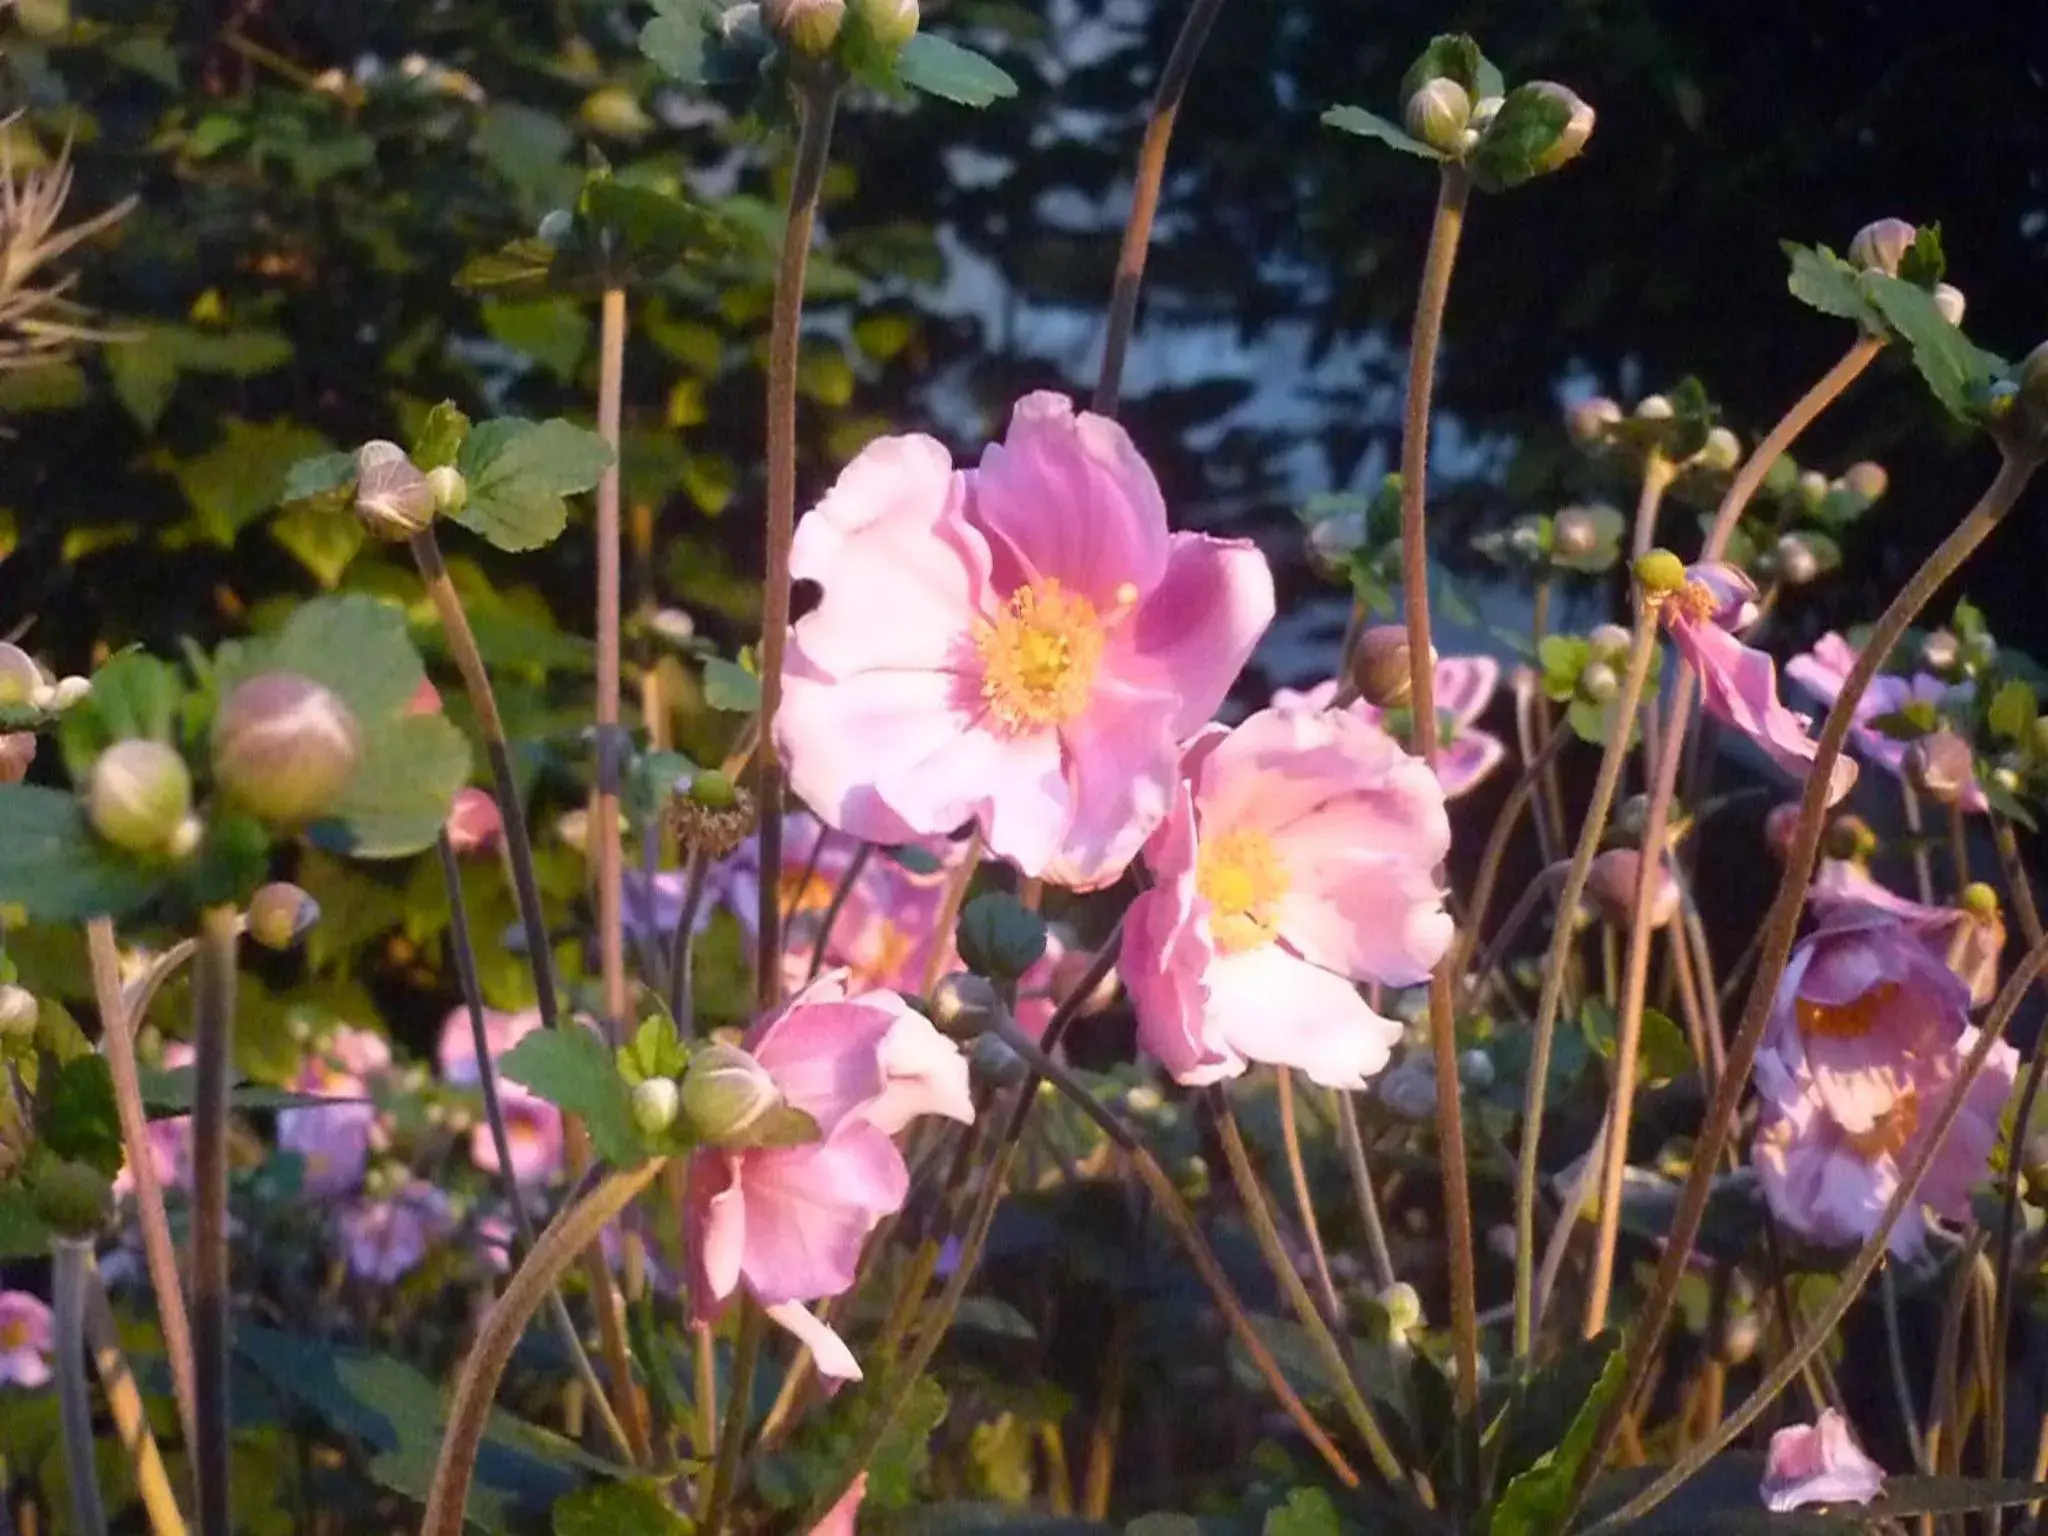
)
(732, 1437)
(213, 1009)
(1494, 854)
(1297, 1176)
(611, 927)
(1109, 1418)
(124, 1406)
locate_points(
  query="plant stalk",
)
(213, 1002)
(732, 1437)
(124, 1406)
(611, 924)
(71, 1267)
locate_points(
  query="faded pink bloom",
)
(1824, 670)
(17, 755)
(1465, 686)
(1818, 1463)
(1738, 684)
(385, 1239)
(839, 1518)
(474, 822)
(1021, 646)
(24, 1340)
(533, 1126)
(788, 1222)
(334, 1139)
(1299, 859)
(169, 1140)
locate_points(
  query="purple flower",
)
(385, 1239)
(1824, 670)
(24, 1340)
(1465, 686)
(1818, 1463)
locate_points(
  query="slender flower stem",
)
(817, 103)
(1130, 261)
(117, 1042)
(855, 868)
(1642, 647)
(1872, 1253)
(124, 1405)
(1536, 731)
(1361, 1186)
(681, 1005)
(1779, 927)
(1916, 832)
(732, 1437)
(1297, 1176)
(1658, 473)
(1534, 894)
(1895, 1350)
(1453, 190)
(948, 915)
(569, 1235)
(611, 925)
(1494, 855)
(501, 1140)
(213, 1004)
(70, 1271)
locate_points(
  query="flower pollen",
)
(1695, 601)
(1039, 657)
(1241, 877)
(1890, 1134)
(1847, 1021)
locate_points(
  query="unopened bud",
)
(1578, 125)
(1380, 667)
(1438, 114)
(673, 625)
(1880, 247)
(451, 490)
(20, 677)
(728, 1098)
(1941, 767)
(138, 794)
(1740, 1335)
(1867, 479)
(73, 1199)
(1660, 571)
(994, 1062)
(1849, 837)
(280, 915)
(1409, 1090)
(1069, 971)
(1655, 408)
(808, 26)
(1586, 421)
(18, 1013)
(713, 789)
(1403, 1306)
(1575, 531)
(656, 1103)
(1609, 641)
(185, 841)
(70, 691)
(1941, 651)
(1721, 452)
(965, 1006)
(1797, 563)
(393, 499)
(1597, 683)
(285, 748)
(892, 23)
(1979, 900)
(1476, 1071)
(1611, 884)
(1949, 302)
(1812, 486)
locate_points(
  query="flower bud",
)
(656, 1103)
(74, 1199)
(727, 1096)
(72, 690)
(1849, 837)
(1941, 651)
(137, 794)
(451, 491)
(186, 839)
(1660, 571)
(1949, 302)
(1586, 421)
(1609, 641)
(1476, 1070)
(673, 625)
(1069, 971)
(993, 1061)
(808, 26)
(1438, 114)
(20, 677)
(1880, 247)
(712, 789)
(1597, 683)
(18, 1013)
(280, 914)
(17, 755)
(1740, 1335)
(1611, 885)
(1655, 408)
(393, 499)
(1941, 767)
(892, 23)
(1403, 1306)
(1574, 531)
(1721, 452)
(1866, 479)
(965, 1006)
(1578, 126)
(1797, 563)
(285, 748)
(1812, 487)
(1380, 666)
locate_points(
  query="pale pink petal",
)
(1277, 768)
(1739, 686)
(923, 1073)
(1818, 1463)
(1195, 631)
(1305, 701)
(846, 742)
(1823, 670)
(1067, 495)
(1733, 593)
(1275, 1007)
(1121, 767)
(828, 1352)
(1015, 787)
(1365, 918)
(1466, 759)
(1465, 685)
(474, 823)
(1165, 952)
(719, 1228)
(838, 1519)
(810, 1208)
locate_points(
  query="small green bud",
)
(280, 915)
(1849, 837)
(1655, 408)
(393, 499)
(1722, 451)
(709, 787)
(73, 1199)
(1597, 683)
(1438, 114)
(1866, 479)
(285, 748)
(18, 1013)
(1609, 642)
(20, 677)
(1797, 563)
(1403, 1306)
(892, 23)
(992, 1061)
(1941, 652)
(1574, 531)
(186, 839)
(1586, 422)
(1979, 900)
(1611, 886)
(451, 490)
(138, 794)
(1660, 572)
(965, 1006)
(810, 27)
(1949, 302)
(656, 1103)
(727, 1096)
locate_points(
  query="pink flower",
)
(533, 1126)
(169, 1140)
(1299, 859)
(1465, 686)
(334, 1139)
(474, 822)
(788, 1222)
(1738, 684)
(1969, 942)
(24, 1340)
(17, 755)
(1824, 670)
(385, 1239)
(1021, 646)
(838, 1520)
(456, 1051)
(1818, 1463)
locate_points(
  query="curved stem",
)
(855, 868)
(1297, 1176)
(1642, 646)
(1494, 854)
(948, 915)
(1895, 1351)
(1658, 473)
(1130, 261)
(1449, 222)
(567, 1237)
(1361, 1185)
(1872, 1253)
(681, 1005)
(117, 1041)
(732, 1437)
(611, 925)
(124, 1406)
(1779, 927)
(817, 102)
(72, 1261)
(213, 1003)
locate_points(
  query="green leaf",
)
(440, 437)
(519, 471)
(1452, 56)
(1924, 264)
(818, 1458)
(399, 796)
(353, 644)
(79, 1121)
(617, 1509)
(1954, 368)
(1527, 1428)
(730, 687)
(652, 228)
(1511, 151)
(1307, 1512)
(1534, 1501)
(239, 479)
(324, 539)
(144, 371)
(54, 868)
(574, 1070)
(2013, 709)
(133, 695)
(552, 329)
(674, 39)
(1822, 280)
(1662, 1052)
(520, 266)
(999, 936)
(323, 476)
(167, 1093)
(1366, 125)
(23, 1234)
(940, 67)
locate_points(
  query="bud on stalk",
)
(284, 748)
(1381, 670)
(393, 499)
(138, 795)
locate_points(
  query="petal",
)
(924, 1073)
(1122, 765)
(719, 1222)
(1016, 788)
(1304, 701)
(1739, 686)
(1823, 670)
(809, 1209)
(1465, 685)
(828, 1351)
(1066, 495)
(1165, 955)
(1466, 759)
(1365, 918)
(849, 742)
(1198, 627)
(822, 1053)
(1276, 1007)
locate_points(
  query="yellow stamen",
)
(1039, 657)
(13, 1335)
(804, 893)
(1695, 600)
(1891, 1132)
(1846, 1021)
(1241, 877)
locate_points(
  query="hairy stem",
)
(611, 925)
(1353, 1142)
(213, 1005)
(71, 1267)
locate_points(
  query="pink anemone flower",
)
(1824, 670)
(1022, 646)
(385, 1239)
(1299, 859)
(1818, 1463)
(1465, 686)
(533, 1126)
(788, 1223)
(475, 825)
(334, 1139)
(24, 1340)
(1739, 684)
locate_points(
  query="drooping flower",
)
(334, 1139)
(24, 1340)
(1818, 1463)
(475, 825)
(788, 1222)
(1022, 646)
(385, 1238)
(1299, 859)
(1465, 686)
(533, 1126)
(1823, 672)
(1739, 684)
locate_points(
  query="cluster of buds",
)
(395, 499)
(1442, 113)
(1884, 245)
(816, 29)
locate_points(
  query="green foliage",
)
(79, 1121)
(818, 1459)
(1958, 372)
(1534, 1500)
(999, 936)
(940, 67)
(1662, 1053)
(617, 1509)
(674, 39)
(731, 687)
(571, 1068)
(1453, 56)
(519, 471)
(1307, 1512)
(1511, 150)
(52, 865)
(1366, 125)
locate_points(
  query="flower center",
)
(1846, 1021)
(889, 951)
(1890, 1133)
(1695, 600)
(1241, 877)
(13, 1335)
(803, 890)
(1039, 656)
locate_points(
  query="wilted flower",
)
(1022, 647)
(384, 1239)
(1818, 1463)
(25, 1341)
(1299, 859)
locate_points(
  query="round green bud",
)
(993, 1061)
(712, 789)
(1867, 479)
(285, 748)
(1722, 451)
(657, 1101)
(810, 27)
(1586, 422)
(726, 1095)
(20, 677)
(1597, 683)
(1797, 563)
(19, 1012)
(1609, 641)
(73, 1199)
(1403, 1306)
(1949, 302)
(1578, 125)
(892, 23)
(451, 491)
(1438, 114)
(1979, 900)
(965, 1006)
(280, 914)
(1574, 531)
(138, 795)
(1660, 571)
(1655, 408)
